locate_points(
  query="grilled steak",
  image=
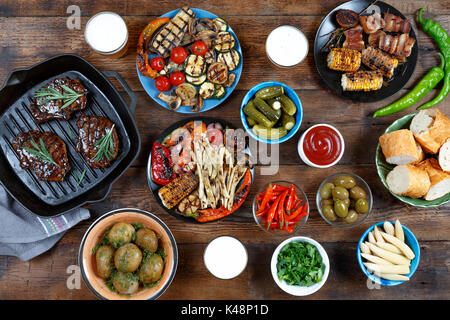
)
(43, 152)
(172, 33)
(92, 130)
(43, 108)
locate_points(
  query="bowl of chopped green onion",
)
(300, 266)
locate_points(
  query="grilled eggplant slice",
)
(171, 35)
(186, 91)
(195, 65)
(230, 81)
(207, 90)
(224, 42)
(231, 59)
(217, 73)
(221, 24)
(210, 56)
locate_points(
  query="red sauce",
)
(322, 145)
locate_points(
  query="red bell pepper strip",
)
(290, 200)
(206, 215)
(280, 210)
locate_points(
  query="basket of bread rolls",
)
(413, 158)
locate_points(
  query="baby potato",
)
(151, 269)
(121, 233)
(128, 258)
(125, 282)
(147, 239)
(104, 261)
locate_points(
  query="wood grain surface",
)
(34, 30)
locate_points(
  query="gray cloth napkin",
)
(25, 235)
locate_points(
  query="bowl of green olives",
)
(344, 200)
(128, 254)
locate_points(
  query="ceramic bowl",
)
(298, 290)
(93, 235)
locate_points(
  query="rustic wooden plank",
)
(11, 8)
(32, 45)
(45, 277)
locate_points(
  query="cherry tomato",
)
(199, 48)
(162, 83)
(157, 63)
(177, 78)
(178, 55)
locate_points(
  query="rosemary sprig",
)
(105, 146)
(77, 178)
(69, 96)
(40, 151)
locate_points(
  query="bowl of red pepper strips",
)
(281, 208)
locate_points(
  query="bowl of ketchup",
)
(321, 146)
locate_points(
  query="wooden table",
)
(34, 30)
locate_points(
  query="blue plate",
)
(149, 84)
(288, 91)
(410, 240)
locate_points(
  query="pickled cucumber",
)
(250, 121)
(251, 112)
(288, 105)
(287, 121)
(269, 133)
(269, 92)
(274, 103)
(267, 110)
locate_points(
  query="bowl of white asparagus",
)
(388, 253)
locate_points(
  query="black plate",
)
(154, 187)
(53, 198)
(333, 78)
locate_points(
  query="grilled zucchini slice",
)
(231, 59)
(224, 42)
(220, 91)
(207, 90)
(221, 24)
(196, 81)
(195, 65)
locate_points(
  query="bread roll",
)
(431, 129)
(399, 147)
(409, 181)
(444, 156)
(440, 180)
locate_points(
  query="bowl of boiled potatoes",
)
(344, 200)
(128, 254)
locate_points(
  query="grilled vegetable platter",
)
(200, 169)
(365, 50)
(188, 60)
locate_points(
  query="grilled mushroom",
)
(206, 36)
(198, 106)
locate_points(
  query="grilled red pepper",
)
(162, 167)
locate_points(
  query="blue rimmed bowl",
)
(410, 240)
(288, 91)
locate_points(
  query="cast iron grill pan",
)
(62, 196)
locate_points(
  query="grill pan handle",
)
(15, 77)
(126, 87)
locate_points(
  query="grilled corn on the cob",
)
(343, 59)
(171, 194)
(362, 81)
(376, 59)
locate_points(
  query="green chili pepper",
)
(428, 82)
(440, 35)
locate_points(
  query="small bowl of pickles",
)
(344, 200)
